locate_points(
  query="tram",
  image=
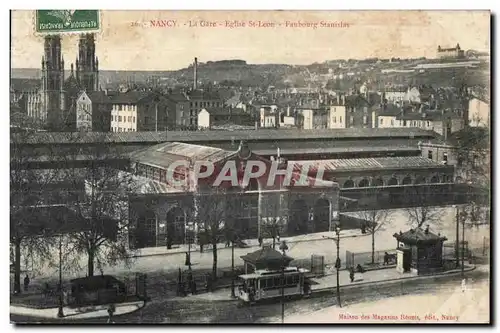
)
(267, 284)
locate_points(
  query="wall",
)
(387, 121)
(479, 113)
(337, 117)
(124, 118)
(203, 119)
(84, 113)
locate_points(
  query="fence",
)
(315, 265)
(353, 259)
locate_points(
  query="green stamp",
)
(60, 21)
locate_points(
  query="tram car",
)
(267, 284)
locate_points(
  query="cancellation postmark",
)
(56, 21)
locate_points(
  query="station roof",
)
(148, 186)
(214, 136)
(374, 163)
(333, 150)
(163, 155)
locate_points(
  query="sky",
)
(365, 34)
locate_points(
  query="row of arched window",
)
(408, 180)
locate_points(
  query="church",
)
(54, 102)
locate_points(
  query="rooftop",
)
(214, 136)
(413, 236)
(163, 155)
(264, 255)
(373, 163)
(24, 84)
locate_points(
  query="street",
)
(199, 310)
(384, 240)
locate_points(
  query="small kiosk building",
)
(419, 251)
(265, 258)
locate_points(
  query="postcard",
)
(257, 167)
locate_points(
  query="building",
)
(337, 116)
(447, 152)
(161, 212)
(358, 112)
(183, 107)
(210, 117)
(53, 102)
(316, 118)
(83, 113)
(479, 112)
(420, 251)
(395, 94)
(269, 116)
(440, 121)
(24, 93)
(450, 53)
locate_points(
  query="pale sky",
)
(119, 45)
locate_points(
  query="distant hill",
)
(229, 71)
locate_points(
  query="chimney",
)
(195, 69)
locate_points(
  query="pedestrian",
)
(26, 282)
(464, 284)
(386, 258)
(260, 241)
(193, 287)
(351, 274)
(111, 311)
(209, 283)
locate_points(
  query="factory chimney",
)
(195, 68)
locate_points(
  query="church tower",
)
(87, 64)
(52, 89)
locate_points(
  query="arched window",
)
(393, 181)
(406, 180)
(364, 183)
(378, 182)
(348, 184)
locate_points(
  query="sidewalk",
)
(330, 281)
(99, 311)
(252, 243)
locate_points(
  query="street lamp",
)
(60, 312)
(233, 295)
(337, 261)
(283, 248)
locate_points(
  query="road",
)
(384, 240)
(196, 310)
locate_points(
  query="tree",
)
(419, 211)
(376, 220)
(102, 210)
(211, 217)
(30, 189)
(272, 220)
(474, 155)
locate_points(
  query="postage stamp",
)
(66, 21)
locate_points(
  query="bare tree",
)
(419, 212)
(272, 219)
(376, 220)
(211, 217)
(30, 189)
(102, 210)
